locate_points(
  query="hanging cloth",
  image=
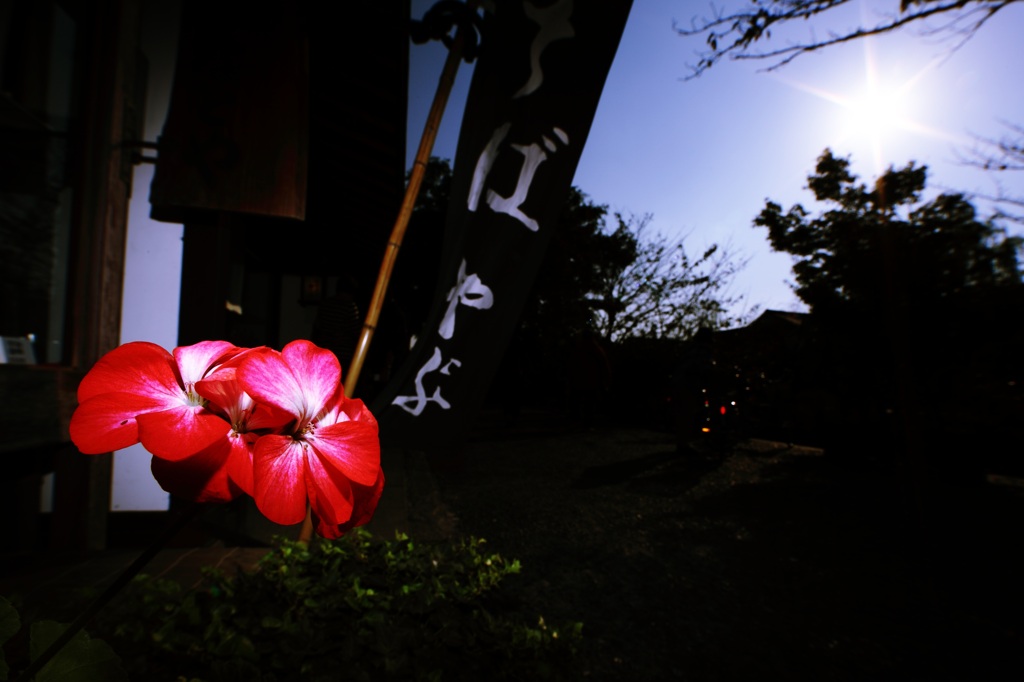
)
(236, 136)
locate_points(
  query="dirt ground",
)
(765, 562)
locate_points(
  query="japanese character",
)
(554, 24)
(468, 291)
(420, 400)
(533, 156)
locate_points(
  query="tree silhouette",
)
(880, 243)
(915, 306)
(628, 281)
(580, 257)
(414, 281)
(664, 292)
(625, 292)
(618, 283)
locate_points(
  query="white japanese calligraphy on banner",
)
(533, 156)
(553, 24)
(415, 404)
(468, 291)
(531, 103)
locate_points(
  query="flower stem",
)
(182, 519)
(306, 532)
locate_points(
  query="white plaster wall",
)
(152, 277)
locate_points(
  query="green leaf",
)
(9, 624)
(83, 659)
(271, 623)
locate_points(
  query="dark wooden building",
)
(283, 156)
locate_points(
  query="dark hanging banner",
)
(535, 88)
(236, 137)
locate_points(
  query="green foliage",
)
(355, 609)
(435, 187)
(9, 625)
(82, 659)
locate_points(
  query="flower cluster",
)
(221, 421)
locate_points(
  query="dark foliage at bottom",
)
(354, 609)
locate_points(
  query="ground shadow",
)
(683, 468)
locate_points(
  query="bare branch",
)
(664, 292)
(732, 35)
(1002, 155)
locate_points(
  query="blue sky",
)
(702, 155)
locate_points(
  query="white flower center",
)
(193, 398)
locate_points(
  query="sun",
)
(881, 109)
(875, 113)
(876, 109)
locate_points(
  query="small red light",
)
(721, 410)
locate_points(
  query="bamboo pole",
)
(444, 88)
(412, 190)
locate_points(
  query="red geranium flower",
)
(222, 420)
(329, 455)
(223, 470)
(139, 392)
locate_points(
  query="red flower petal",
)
(180, 432)
(196, 360)
(318, 370)
(327, 531)
(139, 367)
(301, 379)
(202, 477)
(331, 496)
(106, 422)
(350, 448)
(365, 505)
(240, 460)
(223, 390)
(279, 486)
(268, 418)
(350, 409)
(267, 378)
